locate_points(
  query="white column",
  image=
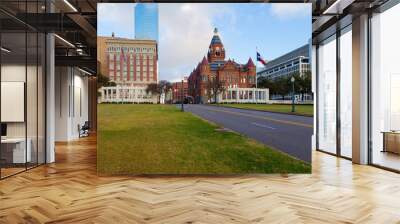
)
(360, 90)
(50, 96)
(257, 95)
(124, 94)
(117, 93)
(135, 95)
(314, 87)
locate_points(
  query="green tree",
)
(302, 83)
(282, 86)
(103, 80)
(306, 83)
(265, 82)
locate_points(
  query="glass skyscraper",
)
(146, 21)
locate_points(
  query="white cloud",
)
(290, 10)
(185, 33)
(115, 16)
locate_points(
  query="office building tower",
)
(296, 61)
(146, 21)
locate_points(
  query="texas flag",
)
(260, 59)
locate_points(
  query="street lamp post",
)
(182, 109)
(292, 80)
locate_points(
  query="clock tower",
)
(216, 50)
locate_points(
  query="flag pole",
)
(255, 97)
(256, 66)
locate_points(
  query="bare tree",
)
(163, 86)
(153, 88)
(214, 87)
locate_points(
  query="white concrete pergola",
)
(244, 95)
(126, 94)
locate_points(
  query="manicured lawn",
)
(282, 108)
(159, 139)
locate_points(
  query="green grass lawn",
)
(159, 139)
(307, 110)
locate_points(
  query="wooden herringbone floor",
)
(69, 191)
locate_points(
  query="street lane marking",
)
(264, 118)
(262, 125)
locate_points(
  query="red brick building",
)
(177, 92)
(231, 73)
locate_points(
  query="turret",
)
(250, 63)
(216, 50)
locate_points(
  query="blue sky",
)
(186, 31)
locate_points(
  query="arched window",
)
(217, 51)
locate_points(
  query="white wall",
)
(16, 73)
(12, 73)
(12, 101)
(80, 104)
(71, 102)
(33, 125)
(61, 103)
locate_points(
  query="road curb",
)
(276, 112)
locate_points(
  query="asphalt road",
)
(288, 133)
